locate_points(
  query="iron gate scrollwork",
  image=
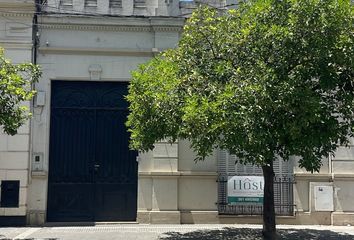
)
(92, 171)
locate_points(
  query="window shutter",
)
(227, 163)
(283, 184)
(258, 170)
(222, 162)
(115, 3)
(231, 167)
(91, 3)
(286, 167)
(277, 167)
(222, 179)
(282, 168)
(240, 168)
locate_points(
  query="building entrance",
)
(92, 172)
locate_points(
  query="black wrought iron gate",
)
(92, 172)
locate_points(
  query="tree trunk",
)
(269, 230)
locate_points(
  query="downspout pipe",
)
(35, 32)
(35, 42)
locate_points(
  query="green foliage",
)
(15, 88)
(271, 78)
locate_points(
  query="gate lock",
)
(96, 167)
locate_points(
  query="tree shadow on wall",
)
(255, 234)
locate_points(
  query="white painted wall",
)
(68, 47)
(16, 39)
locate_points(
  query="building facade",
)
(16, 39)
(72, 160)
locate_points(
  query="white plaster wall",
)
(164, 194)
(343, 173)
(73, 67)
(323, 170)
(69, 61)
(197, 193)
(344, 195)
(343, 160)
(94, 39)
(16, 39)
(162, 185)
(146, 163)
(337, 169)
(186, 157)
(301, 195)
(145, 194)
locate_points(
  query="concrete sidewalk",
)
(176, 232)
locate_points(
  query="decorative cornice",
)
(331, 177)
(17, 14)
(66, 78)
(82, 27)
(180, 174)
(343, 176)
(112, 28)
(97, 51)
(167, 29)
(15, 44)
(310, 176)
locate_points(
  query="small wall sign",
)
(245, 190)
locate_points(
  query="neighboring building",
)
(76, 166)
(16, 38)
(87, 50)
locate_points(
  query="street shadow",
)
(255, 234)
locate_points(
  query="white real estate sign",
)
(245, 190)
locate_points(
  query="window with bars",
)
(139, 3)
(115, 3)
(227, 164)
(66, 3)
(283, 185)
(90, 3)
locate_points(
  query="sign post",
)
(245, 190)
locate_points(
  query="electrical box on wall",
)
(37, 162)
(40, 99)
(324, 198)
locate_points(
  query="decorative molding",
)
(198, 174)
(313, 176)
(180, 174)
(17, 14)
(343, 176)
(95, 71)
(167, 29)
(84, 27)
(16, 45)
(325, 176)
(66, 78)
(97, 51)
(112, 28)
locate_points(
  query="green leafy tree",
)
(15, 88)
(269, 79)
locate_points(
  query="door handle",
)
(96, 166)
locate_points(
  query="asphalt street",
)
(175, 232)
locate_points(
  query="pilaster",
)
(161, 185)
